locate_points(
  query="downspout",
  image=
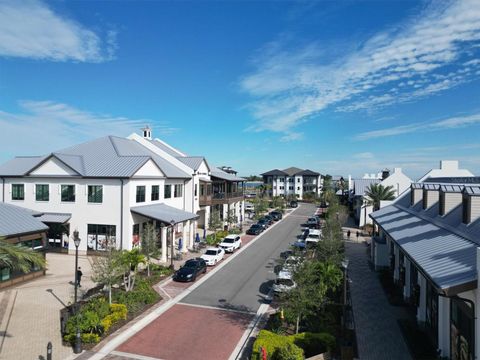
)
(121, 214)
(193, 192)
(3, 189)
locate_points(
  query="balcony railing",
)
(205, 200)
(226, 196)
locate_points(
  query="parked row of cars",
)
(264, 222)
(193, 267)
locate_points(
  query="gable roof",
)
(166, 148)
(274, 172)
(110, 157)
(15, 220)
(308, 172)
(361, 185)
(224, 175)
(193, 162)
(292, 171)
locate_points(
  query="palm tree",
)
(376, 193)
(18, 257)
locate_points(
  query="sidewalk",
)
(30, 312)
(378, 334)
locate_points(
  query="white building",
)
(111, 187)
(292, 181)
(357, 188)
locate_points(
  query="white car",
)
(284, 282)
(313, 237)
(291, 263)
(213, 255)
(231, 243)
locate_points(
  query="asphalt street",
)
(243, 283)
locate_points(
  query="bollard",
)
(49, 351)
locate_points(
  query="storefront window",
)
(462, 326)
(431, 320)
(100, 235)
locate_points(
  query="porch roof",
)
(446, 258)
(57, 218)
(163, 213)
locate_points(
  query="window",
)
(195, 189)
(95, 193)
(99, 236)
(282, 187)
(18, 192)
(41, 192)
(178, 190)
(290, 188)
(290, 180)
(298, 179)
(202, 190)
(298, 188)
(155, 192)
(168, 191)
(67, 193)
(140, 194)
(282, 180)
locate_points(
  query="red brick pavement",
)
(188, 332)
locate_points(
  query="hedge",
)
(310, 343)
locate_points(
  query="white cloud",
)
(451, 123)
(402, 64)
(292, 136)
(31, 29)
(45, 126)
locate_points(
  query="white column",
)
(164, 243)
(186, 227)
(406, 288)
(444, 325)
(423, 299)
(193, 226)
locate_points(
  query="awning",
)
(57, 218)
(163, 213)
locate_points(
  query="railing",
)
(232, 195)
(205, 200)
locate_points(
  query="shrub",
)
(314, 343)
(141, 295)
(98, 305)
(270, 342)
(90, 338)
(288, 351)
(235, 231)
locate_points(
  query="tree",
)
(149, 246)
(106, 269)
(376, 193)
(18, 257)
(128, 262)
(214, 222)
(231, 218)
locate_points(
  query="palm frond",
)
(16, 257)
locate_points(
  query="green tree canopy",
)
(18, 257)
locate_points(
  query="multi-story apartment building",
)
(109, 188)
(429, 239)
(292, 181)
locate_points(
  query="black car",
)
(255, 229)
(277, 215)
(269, 218)
(190, 270)
(293, 204)
(263, 223)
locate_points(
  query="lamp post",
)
(78, 345)
(172, 223)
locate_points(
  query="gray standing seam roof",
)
(417, 185)
(15, 220)
(472, 190)
(448, 259)
(110, 156)
(166, 148)
(164, 213)
(431, 186)
(275, 172)
(451, 188)
(57, 218)
(291, 171)
(193, 162)
(225, 176)
(361, 185)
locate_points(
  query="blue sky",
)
(345, 87)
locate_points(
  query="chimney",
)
(385, 173)
(449, 165)
(450, 198)
(416, 193)
(471, 204)
(430, 195)
(147, 132)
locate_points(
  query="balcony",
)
(227, 198)
(205, 200)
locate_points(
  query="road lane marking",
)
(217, 308)
(133, 356)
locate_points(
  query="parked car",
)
(291, 263)
(312, 221)
(299, 245)
(284, 282)
(249, 207)
(313, 237)
(190, 270)
(255, 229)
(277, 215)
(264, 223)
(269, 218)
(231, 243)
(213, 255)
(293, 204)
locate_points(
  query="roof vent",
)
(147, 132)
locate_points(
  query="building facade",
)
(292, 182)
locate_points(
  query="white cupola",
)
(147, 132)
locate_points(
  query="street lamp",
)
(172, 223)
(345, 269)
(78, 344)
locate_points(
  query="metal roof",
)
(110, 156)
(224, 175)
(163, 213)
(166, 148)
(472, 190)
(431, 186)
(292, 171)
(361, 185)
(308, 172)
(454, 180)
(451, 188)
(448, 259)
(57, 218)
(15, 220)
(193, 162)
(417, 185)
